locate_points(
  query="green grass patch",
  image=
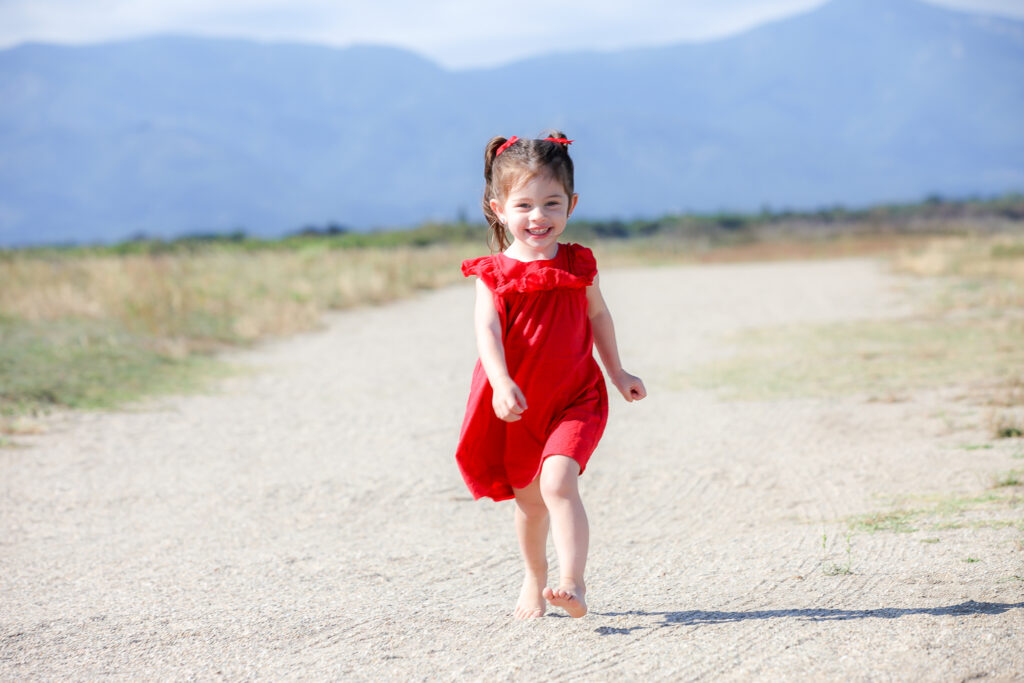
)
(941, 512)
(898, 521)
(1011, 478)
(1008, 251)
(977, 447)
(971, 559)
(877, 358)
(78, 363)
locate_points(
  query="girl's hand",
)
(508, 401)
(630, 386)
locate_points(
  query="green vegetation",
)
(1009, 431)
(938, 512)
(834, 568)
(897, 521)
(81, 363)
(1011, 478)
(934, 215)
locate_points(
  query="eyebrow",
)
(550, 196)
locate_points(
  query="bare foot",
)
(531, 603)
(569, 597)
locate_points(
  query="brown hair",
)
(518, 163)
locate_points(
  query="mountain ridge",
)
(842, 104)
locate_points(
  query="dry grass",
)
(97, 329)
(984, 287)
(753, 247)
(986, 274)
(804, 248)
(971, 335)
(880, 360)
(192, 301)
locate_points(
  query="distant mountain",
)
(855, 102)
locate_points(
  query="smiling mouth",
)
(539, 232)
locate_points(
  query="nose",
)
(537, 213)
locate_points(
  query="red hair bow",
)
(505, 145)
(561, 141)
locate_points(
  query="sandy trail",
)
(306, 519)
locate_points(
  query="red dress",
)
(542, 306)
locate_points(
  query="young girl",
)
(538, 404)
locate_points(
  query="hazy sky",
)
(456, 33)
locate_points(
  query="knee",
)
(558, 487)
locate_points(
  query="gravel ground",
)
(305, 519)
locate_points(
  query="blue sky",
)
(455, 33)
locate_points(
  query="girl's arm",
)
(508, 401)
(630, 386)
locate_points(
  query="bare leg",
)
(570, 530)
(532, 523)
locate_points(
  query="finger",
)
(511, 417)
(520, 399)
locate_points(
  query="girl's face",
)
(536, 212)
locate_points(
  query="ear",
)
(572, 204)
(498, 209)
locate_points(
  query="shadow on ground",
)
(696, 617)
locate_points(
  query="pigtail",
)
(557, 135)
(557, 158)
(497, 238)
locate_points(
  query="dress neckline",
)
(558, 252)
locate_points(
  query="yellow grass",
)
(90, 329)
(988, 272)
(188, 301)
(969, 334)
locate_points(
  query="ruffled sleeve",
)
(486, 268)
(582, 262)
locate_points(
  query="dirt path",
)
(307, 520)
